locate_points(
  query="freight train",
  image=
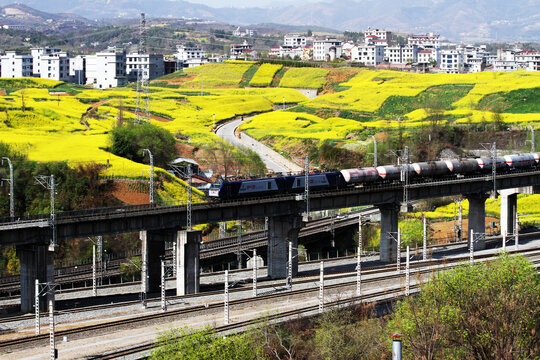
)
(430, 170)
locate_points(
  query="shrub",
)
(129, 141)
(484, 311)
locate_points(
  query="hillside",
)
(398, 108)
(467, 20)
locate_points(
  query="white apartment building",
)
(400, 54)
(380, 34)
(327, 50)
(16, 66)
(428, 40)
(294, 40)
(504, 65)
(369, 55)
(184, 53)
(37, 54)
(528, 60)
(427, 56)
(77, 70)
(106, 70)
(53, 65)
(451, 61)
(151, 66)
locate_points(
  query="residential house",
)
(428, 40)
(106, 69)
(327, 50)
(16, 66)
(151, 66)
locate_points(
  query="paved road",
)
(273, 160)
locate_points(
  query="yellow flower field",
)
(212, 75)
(304, 78)
(265, 75)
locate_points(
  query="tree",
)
(129, 141)
(483, 311)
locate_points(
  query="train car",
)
(329, 180)
(431, 169)
(393, 172)
(524, 161)
(360, 175)
(463, 167)
(486, 163)
(254, 187)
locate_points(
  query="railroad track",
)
(32, 340)
(267, 284)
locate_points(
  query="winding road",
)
(273, 160)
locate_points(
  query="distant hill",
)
(32, 19)
(482, 20)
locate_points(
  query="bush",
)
(484, 311)
(129, 142)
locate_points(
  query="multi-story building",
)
(379, 34)
(428, 40)
(106, 69)
(150, 65)
(37, 54)
(16, 66)
(53, 65)
(184, 53)
(528, 60)
(505, 65)
(451, 61)
(369, 55)
(77, 70)
(400, 54)
(327, 50)
(425, 57)
(240, 50)
(294, 40)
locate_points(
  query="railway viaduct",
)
(167, 223)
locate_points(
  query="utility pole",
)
(226, 299)
(163, 301)
(255, 266)
(424, 238)
(374, 151)
(407, 274)
(306, 186)
(533, 144)
(239, 241)
(48, 183)
(189, 199)
(321, 289)
(398, 252)
(145, 151)
(492, 148)
(94, 277)
(289, 268)
(405, 177)
(53, 354)
(142, 112)
(11, 192)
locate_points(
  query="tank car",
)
(523, 161)
(431, 169)
(360, 175)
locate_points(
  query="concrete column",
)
(508, 211)
(152, 249)
(477, 218)
(281, 230)
(36, 263)
(389, 224)
(187, 261)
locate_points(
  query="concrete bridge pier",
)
(187, 261)
(477, 218)
(152, 249)
(508, 210)
(281, 230)
(37, 262)
(389, 228)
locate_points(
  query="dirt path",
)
(93, 107)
